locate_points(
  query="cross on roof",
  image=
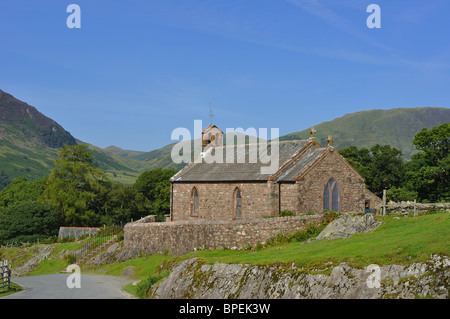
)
(211, 115)
(312, 131)
(330, 140)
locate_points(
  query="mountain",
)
(396, 127)
(29, 141)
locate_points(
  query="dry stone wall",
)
(180, 237)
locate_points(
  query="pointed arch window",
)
(331, 196)
(194, 202)
(237, 204)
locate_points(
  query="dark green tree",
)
(428, 171)
(154, 185)
(76, 187)
(381, 166)
(4, 180)
(28, 221)
(20, 190)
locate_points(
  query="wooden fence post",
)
(384, 202)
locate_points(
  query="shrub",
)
(144, 286)
(285, 213)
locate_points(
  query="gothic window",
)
(194, 204)
(237, 204)
(331, 197)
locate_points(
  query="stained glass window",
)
(331, 197)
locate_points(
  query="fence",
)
(5, 274)
(417, 208)
(101, 238)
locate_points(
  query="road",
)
(55, 287)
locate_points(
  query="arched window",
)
(331, 196)
(194, 202)
(237, 206)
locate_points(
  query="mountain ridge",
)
(29, 141)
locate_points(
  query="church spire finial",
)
(330, 140)
(211, 115)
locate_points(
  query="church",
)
(309, 178)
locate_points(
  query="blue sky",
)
(136, 70)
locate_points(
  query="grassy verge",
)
(397, 241)
(13, 288)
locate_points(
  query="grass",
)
(13, 288)
(397, 241)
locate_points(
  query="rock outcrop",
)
(194, 279)
(347, 225)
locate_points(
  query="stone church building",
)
(309, 178)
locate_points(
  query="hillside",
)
(395, 127)
(29, 140)
(29, 143)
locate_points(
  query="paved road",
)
(55, 287)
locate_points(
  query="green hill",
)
(29, 141)
(395, 127)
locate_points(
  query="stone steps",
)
(95, 251)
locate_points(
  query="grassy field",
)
(400, 241)
(396, 241)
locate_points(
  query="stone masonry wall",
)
(312, 185)
(289, 199)
(216, 200)
(181, 237)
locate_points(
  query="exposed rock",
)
(39, 253)
(193, 279)
(347, 225)
(114, 253)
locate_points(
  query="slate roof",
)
(237, 171)
(301, 165)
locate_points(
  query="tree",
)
(381, 166)
(428, 171)
(154, 185)
(4, 180)
(28, 221)
(76, 187)
(20, 190)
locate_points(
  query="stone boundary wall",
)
(76, 232)
(405, 208)
(181, 237)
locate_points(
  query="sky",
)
(138, 69)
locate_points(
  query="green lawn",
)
(397, 241)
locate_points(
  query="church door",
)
(331, 196)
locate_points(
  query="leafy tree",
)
(154, 185)
(428, 171)
(4, 180)
(20, 190)
(122, 203)
(399, 194)
(28, 221)
(381, 166)
(76, 187)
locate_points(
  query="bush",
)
(144, 286)
(285, 213)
